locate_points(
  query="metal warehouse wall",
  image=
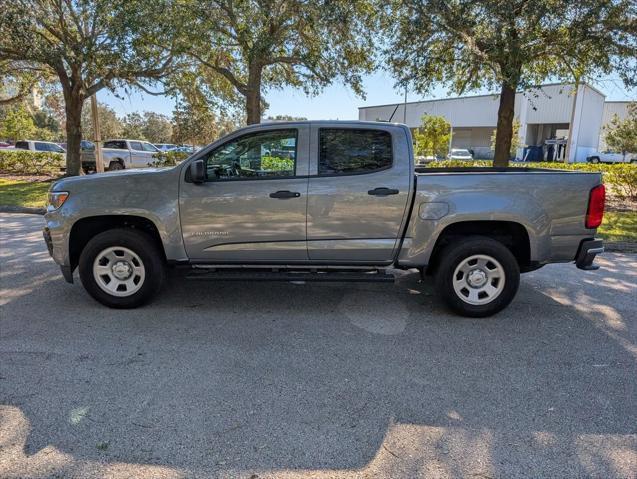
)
(611, 108)
(546, 104)
(478, 111)
(549, 104)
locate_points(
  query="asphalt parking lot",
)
(314, 380)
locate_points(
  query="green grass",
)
(619, 226)
(23, 193)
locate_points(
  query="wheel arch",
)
(84, 229)
(117, 160)
(511, 234)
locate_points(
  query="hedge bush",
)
(276, 163)
(31, 162)
(620, 178)
(168, 158)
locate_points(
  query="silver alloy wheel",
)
(119, 271)
(478, 279)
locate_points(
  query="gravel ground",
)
(314, 380)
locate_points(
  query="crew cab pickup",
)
(321, 201)
(124, 154)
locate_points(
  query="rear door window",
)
(22, 145)
(115, 144)
(136, 145)
(348, 151)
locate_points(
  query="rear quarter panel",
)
(551, 205)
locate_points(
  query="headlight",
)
(57, 198)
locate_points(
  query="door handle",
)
(284, 194)
(383, 191)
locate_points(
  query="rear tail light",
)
(595, 212)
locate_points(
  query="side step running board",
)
(232, 275)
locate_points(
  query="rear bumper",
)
(586, 255)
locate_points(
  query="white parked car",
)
(460, 154)
(609, 156)
(42, 146)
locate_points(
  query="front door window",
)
(269, 154)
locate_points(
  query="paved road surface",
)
(315, 380)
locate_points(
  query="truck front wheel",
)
(477, 276)
(121, 268)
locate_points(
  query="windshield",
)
(149, 147)
(461, 152)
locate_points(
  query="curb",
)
(620, 247)
(22, 209)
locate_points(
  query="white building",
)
(545, 114)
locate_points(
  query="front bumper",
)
(66, 269)
(46, 232)
(586, 255)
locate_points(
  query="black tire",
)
(115, 166)
(594, 160)
(454, 254)
(139, 243)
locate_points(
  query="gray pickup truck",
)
(321, 201)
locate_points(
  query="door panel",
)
(246, 213)
(357, 216)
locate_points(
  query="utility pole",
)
(97, 138)
(405, 108)
(573, 130)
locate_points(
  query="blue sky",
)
(336, 102)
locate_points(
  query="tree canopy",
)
(245, 47)
(509, 45)
(17, 124)
(89, 45)
(433, 136)
(197, 124)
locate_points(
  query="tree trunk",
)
(253, 95)
(504, 131)
(73, 106)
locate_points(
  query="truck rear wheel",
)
(477, 276)
(122, 268)
(115, 166)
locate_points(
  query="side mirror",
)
(198, 171)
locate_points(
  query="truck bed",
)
(550, 204)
